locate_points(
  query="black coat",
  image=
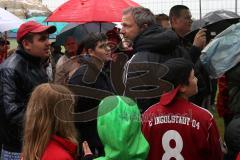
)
(204, 83)
(19, 74)
(88, 75)
(157, 46)
(233, 78)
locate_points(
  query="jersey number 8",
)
(169, 151)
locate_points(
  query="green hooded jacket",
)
(119, 128)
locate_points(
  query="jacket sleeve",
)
(195, 53)
(146, 126)
(12, 109)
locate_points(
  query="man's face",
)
(165, 24)
(130, 29)
(102, 51)
(71, 46)
(40, 45)
(183, 23)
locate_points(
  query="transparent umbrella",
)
(80, 31)
(41, 19)
(8, 21)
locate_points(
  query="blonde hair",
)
(49, 112)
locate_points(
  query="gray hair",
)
(141, 16)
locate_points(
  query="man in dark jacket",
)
(93, 83)
(20, 73)
(152, 45)
(181, 22)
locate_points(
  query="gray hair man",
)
(152, 45)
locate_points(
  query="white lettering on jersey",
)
(169, 151)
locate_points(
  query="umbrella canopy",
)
(213, 29)
(8, 21)
(41, 19)
(80, 31)
(25, 8)
(223, 52)
(90, 11)
(213, 17)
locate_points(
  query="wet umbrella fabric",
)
(213, 17)
(80, 31)
(213, 29)
(90, 11)
(8, 21)
(223, 52)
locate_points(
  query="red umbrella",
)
(91, 11)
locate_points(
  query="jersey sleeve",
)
(215, 141)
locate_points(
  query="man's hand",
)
(200, 39)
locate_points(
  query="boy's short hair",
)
(90, 42)
(162, 17)
(176, 11)
(179, 71)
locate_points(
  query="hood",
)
(155, 39)
(119, 128)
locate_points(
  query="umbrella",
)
(90, 11)
(213, 29)
(8, 21)
(213, 17)
(80, 31)
(25, 8)
(222, 53)
(41, 19)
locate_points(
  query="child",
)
(176, 128)
(119, 129)
(49, 132)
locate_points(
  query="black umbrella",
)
(213, 29)
(213, 17)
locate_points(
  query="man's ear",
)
(173, 20)
(26, 44)
(182, 89)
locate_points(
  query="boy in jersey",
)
(176, 128)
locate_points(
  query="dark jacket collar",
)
(28, 57)
(155, 39)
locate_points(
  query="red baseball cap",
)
(33, 27)
(168, 97)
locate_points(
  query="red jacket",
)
(238, 157)
(181, 130)
(223, 98)
(60, 149)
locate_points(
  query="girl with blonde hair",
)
(49, 131)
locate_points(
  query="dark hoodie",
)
(153, 45)
(160, 44)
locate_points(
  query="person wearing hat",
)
(177, 128)
(20, 74)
